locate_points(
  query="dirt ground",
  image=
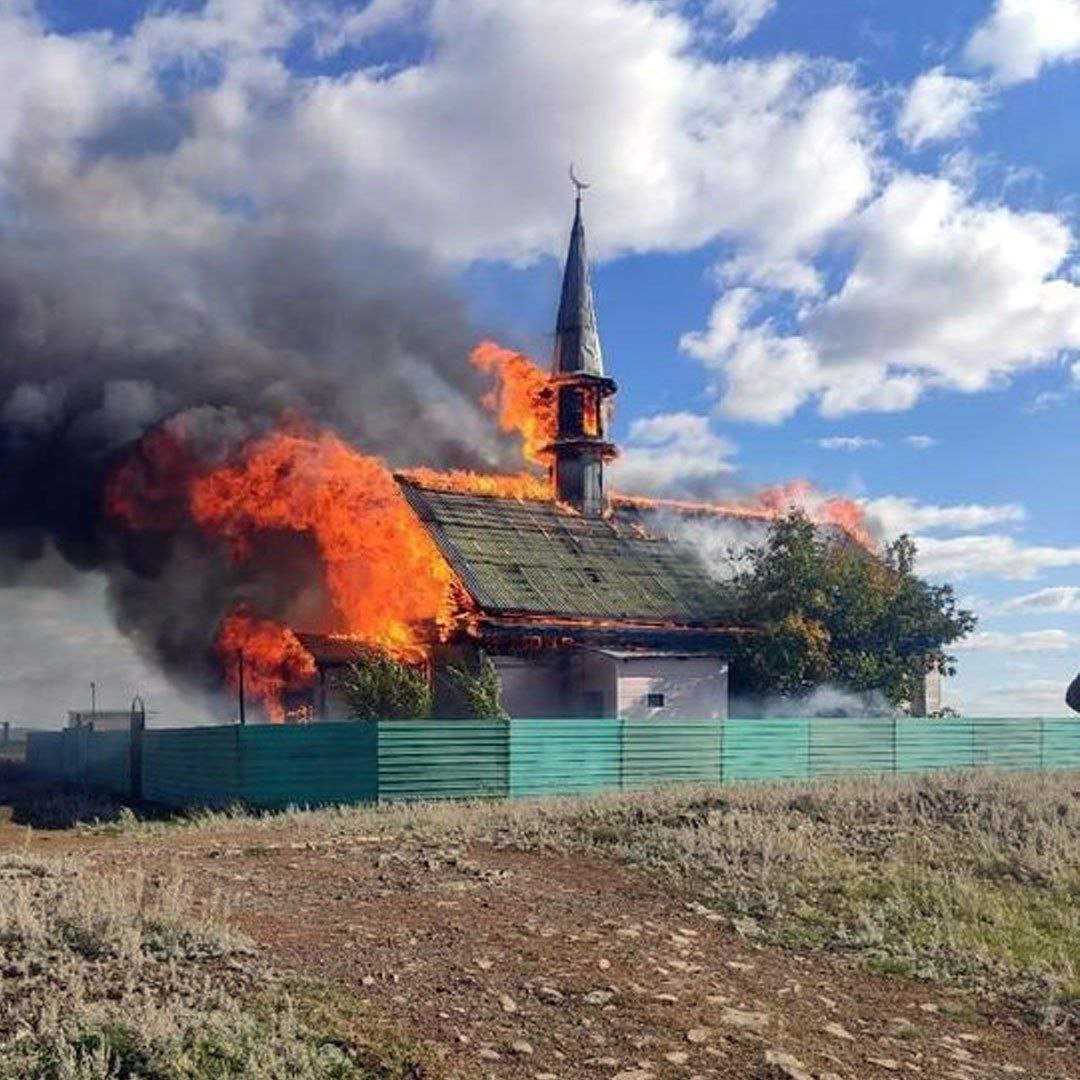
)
(543, 965)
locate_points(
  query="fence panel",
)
(108, 761)
(1007, 743)
(925, 745)
(45, 753)
(1061, 744)
(670, 751)
(308, 765)
(564, 757)
(274, 766)
(842, 746)
(441, 759)
(765, 750)
(73, 753)
(185, 767)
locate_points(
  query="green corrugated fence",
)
(318, 764)
(107, 757)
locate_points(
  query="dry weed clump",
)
(116, 977)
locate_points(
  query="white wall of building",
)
(672, 688)
(531, 687)
(596, 683)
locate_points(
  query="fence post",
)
(723, 725)
(507, 755)
(135, 746)
(622, 753)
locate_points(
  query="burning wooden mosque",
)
(582, 610)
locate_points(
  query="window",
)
(654, 701)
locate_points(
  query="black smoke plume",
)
(100, 343)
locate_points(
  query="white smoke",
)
(827, 700)
(721, 542)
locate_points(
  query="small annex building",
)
(583, 609)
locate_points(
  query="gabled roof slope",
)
(530, 558)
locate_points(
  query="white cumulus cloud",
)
(766, 375)
(955, 293)
(1037, 641)
(991, 555)
(1028, 697)
(893, 515)
(848, 442)
(740, 16)
(1021, 37)
(943, 292)
(1055, 599)
(461, 154)
(672, 454)
(939, 106)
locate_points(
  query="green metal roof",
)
(531, 558)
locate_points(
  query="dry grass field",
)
(925, 926)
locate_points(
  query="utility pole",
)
(93, 700)
(240, 684)
(137, 726)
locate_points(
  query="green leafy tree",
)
(479, 691)
(380, 687)
(828, 611)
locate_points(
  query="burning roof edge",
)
(332, 649)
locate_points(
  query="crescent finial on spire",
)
(579, 185)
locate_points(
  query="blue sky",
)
(1014, 443)
(833, 239)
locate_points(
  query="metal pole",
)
(136, 727)
(93, 700)
(240, 684)
(723, 726)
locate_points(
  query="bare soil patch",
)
(534, 963)
(570, 940)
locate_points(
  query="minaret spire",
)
(580, 446)
(577, 340)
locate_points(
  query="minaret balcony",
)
(585, 445)
(601, 384)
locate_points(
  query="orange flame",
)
(388, 583)
(142, 490)
(522, 485)
(770, 503)
(384, 573)
(523, 399)
(275, 662)
(591, 412)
